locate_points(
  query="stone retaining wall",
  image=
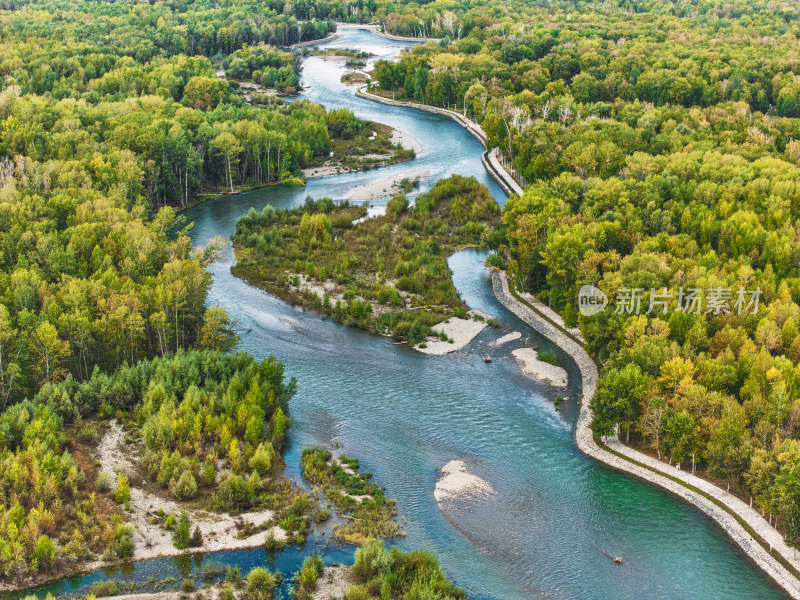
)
(586, 443)
(490, 162)
(328, 38)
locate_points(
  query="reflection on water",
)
(405, 415)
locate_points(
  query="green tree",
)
(181, 537)
(680, 435)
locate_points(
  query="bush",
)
(197, 538)
(209, 474)
(44, 554)
(104, 482)
(188, 586)
(233, 575)
(397, 205)
(261, 461)
(182, 536)
(357, 592)
(123, 491)
(101, 589)
(169, 523)
(547, 356)
(227, 593)
(260, 585)
(184, 487)
(306, 579)
(272, 544)
(124, 537)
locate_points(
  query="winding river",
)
(406, 415)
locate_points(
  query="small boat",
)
(487, 359)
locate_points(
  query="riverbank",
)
(458, 332)
(489, 158)
(376, 30)
(528, 358)
(386, 188)
(220, 531)
(327, 39)
(761, 542)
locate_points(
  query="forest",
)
(375, 273)
(194, 411)
(661, 145)
(112, 116)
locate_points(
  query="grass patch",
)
(370, 514)
(547, 356)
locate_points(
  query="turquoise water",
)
(406, 415)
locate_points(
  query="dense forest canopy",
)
(112, 115)
(662, 141)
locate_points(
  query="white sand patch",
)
(461, 331)
(333, 583)
(209, 593)
(336, 292)
(406, 141)
(220, 531)
(509, 337)
(543, 371)
(385, 188)
(325, 170)
(458, 483)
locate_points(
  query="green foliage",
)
(197, 538)
(382, 269)
(399, 575)
(673, 168)
(353, 494)
(185, 487)
(104, 482)
(306, 579)
(182, 536)
(260, 585)
(122, 493)
(547, 356)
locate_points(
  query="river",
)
(405, 415)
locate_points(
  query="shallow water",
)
(405, 415)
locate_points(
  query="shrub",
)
(44, 554)
(397, 205)
(184, 487)
(104, 482)
(306, 579)
(233, 575)
(227, 593)
(188, 586)
(197, 538)
(124, 536)
(123, 491)
(169, 523)
(272, 544)
(182, 535)
(261, 461)
(357, 592)
(547, 356)
(209, 474)
(104, 588)
(260, 585)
